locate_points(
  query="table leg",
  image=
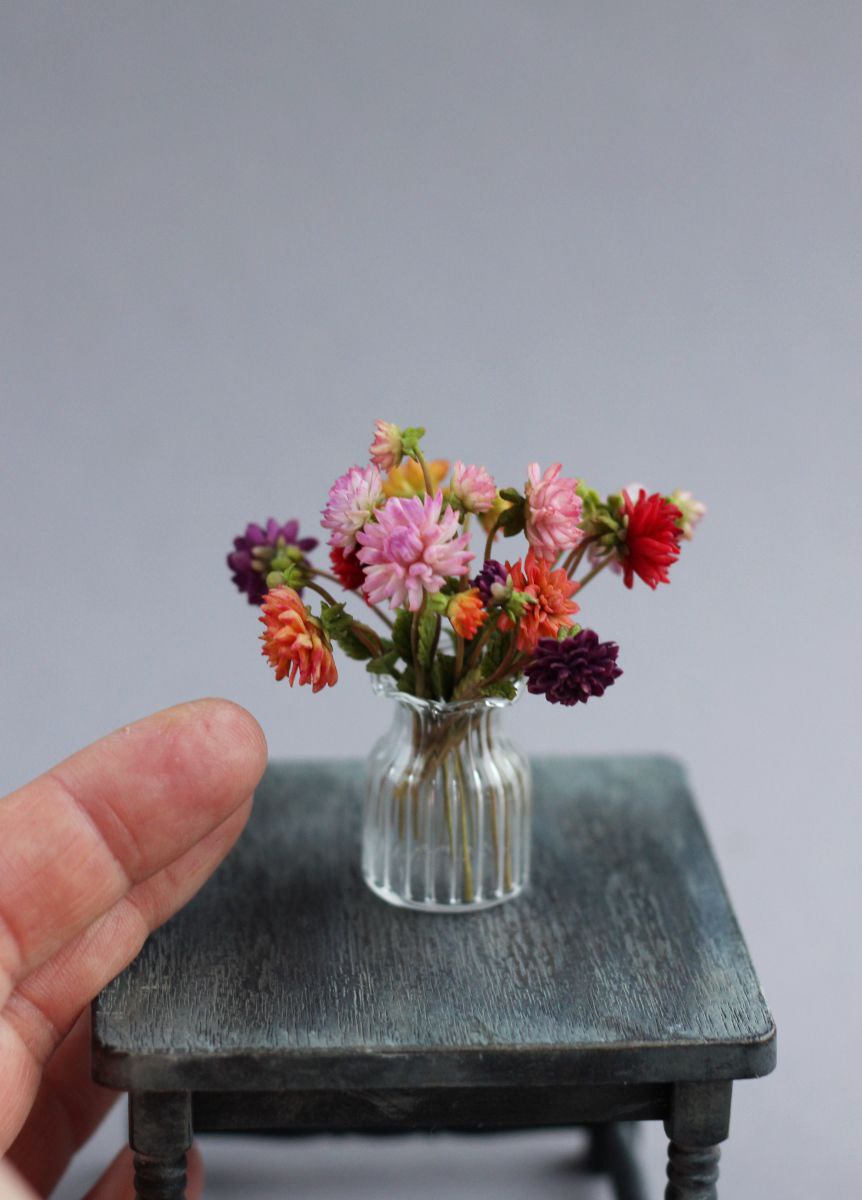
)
(160, 1133)
(612, 1153)
(692, 1172)
(699, 1119)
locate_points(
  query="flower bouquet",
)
(447, 805)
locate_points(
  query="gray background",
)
(625, 235)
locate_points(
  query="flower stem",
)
(590, 575)
(426, 474)
(315, 587)
(414, 646)
(492, 533)
(379, 611)
(459, 659)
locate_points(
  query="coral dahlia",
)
(411, 548)
(553, 512)
(294, 642)
(466, 612)
(652, 537)
(255, 549)
(351, 503)
(552, 605)
(572, 670)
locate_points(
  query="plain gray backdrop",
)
(623, 235)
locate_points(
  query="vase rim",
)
(385, 686)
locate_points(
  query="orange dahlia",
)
(466, 612)
(552, 605)
(294, 642)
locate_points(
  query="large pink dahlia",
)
(411, 548)
(352, 500)
(553, 512)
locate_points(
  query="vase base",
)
(437, 906)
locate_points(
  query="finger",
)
(68, 1108)
(117, 1183)
(47, 1002)
(12, 1186)
(80, 837)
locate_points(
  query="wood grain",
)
(622, 963)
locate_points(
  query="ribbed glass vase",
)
(447, 806)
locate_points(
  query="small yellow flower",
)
(407, 480)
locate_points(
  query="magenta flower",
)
(352, 500)
(474, 487)
(386, 450)
(553, 512)
(411, 548)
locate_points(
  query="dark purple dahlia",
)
(254, 551)
(492, 572)
(572, 670)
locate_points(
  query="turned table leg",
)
(699, 1119)
(160, 1133)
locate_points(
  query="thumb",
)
(118, 1182)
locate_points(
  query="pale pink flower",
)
(411, 548)
(553, 512)
(633, 490)
(352, 500)
(474, 487)
(385, 450)
(691, 512)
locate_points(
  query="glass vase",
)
(447, 806)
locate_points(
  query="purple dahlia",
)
(254, 551)
(574, 669)
(492, 572)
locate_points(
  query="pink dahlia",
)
(474, 487)
(352, 500)
(553, 512)
(386, 450)
(411, 548)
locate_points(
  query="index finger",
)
(75, 840)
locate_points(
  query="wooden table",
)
(287, 997)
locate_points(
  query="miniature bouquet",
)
(455, 640)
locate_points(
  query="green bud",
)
(295, 575)
(437, 602)
(274, 579)
(567, 631)
(410, 439)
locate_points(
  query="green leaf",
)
(338, 626)
(512, 520)
(401, 634)
(407, 681)
(443, 674)
(384, 664)
(427, 637)
(512, 495)
(504, 688)
(468, 684)
(495, 651)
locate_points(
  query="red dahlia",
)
(651, 538)
(347, 567)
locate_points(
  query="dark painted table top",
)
(622, 963)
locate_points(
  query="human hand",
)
(93, 856)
